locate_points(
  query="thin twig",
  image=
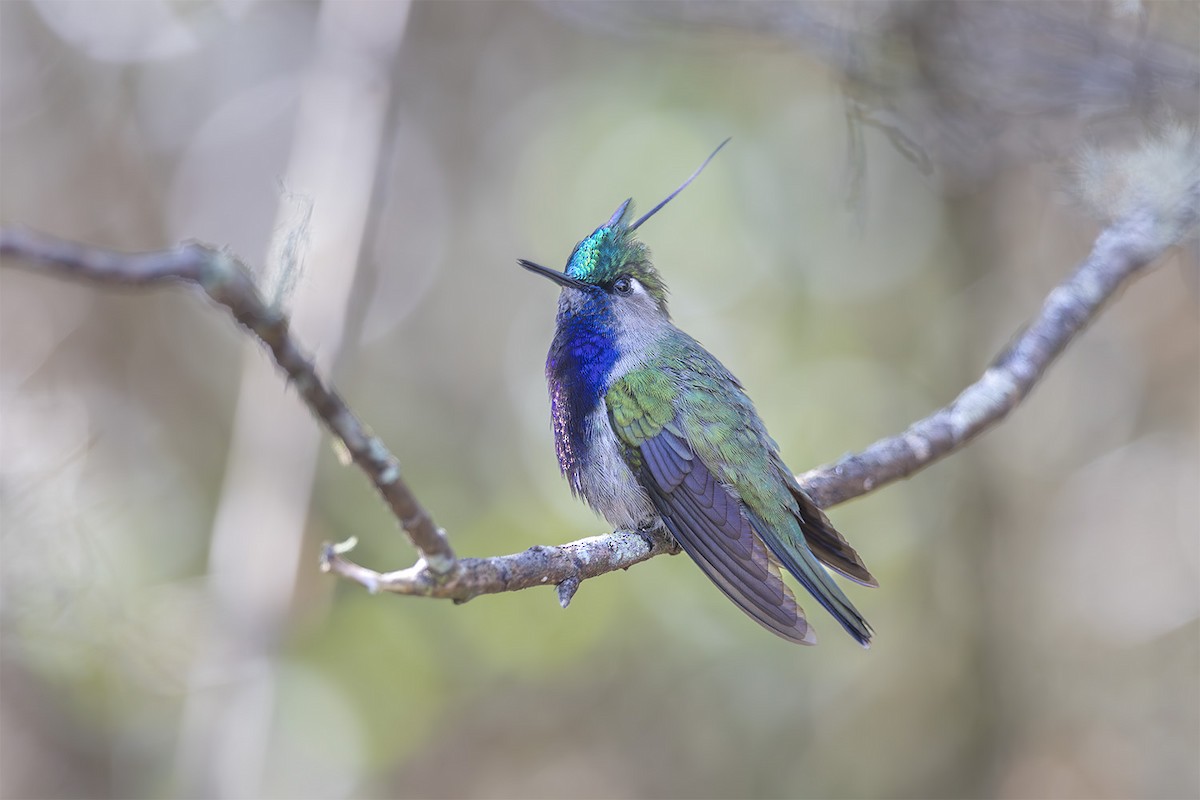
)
(563, 566)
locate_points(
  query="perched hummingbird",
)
(652, 430)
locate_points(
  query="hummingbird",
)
(652, 430)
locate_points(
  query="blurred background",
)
(896, 202)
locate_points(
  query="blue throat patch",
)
(581, 358)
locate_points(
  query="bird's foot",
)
(653, 533)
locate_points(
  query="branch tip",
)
(567, 590)
(343, 547)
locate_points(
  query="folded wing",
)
(709, 525)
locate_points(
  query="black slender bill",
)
(560, 278)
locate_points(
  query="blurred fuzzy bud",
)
(1127, 8)
(1160, 176)
(289, 246)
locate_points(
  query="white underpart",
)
(605, 480)
(607, 483)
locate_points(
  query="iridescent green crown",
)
(612, 251)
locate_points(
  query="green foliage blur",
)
(1039, 592)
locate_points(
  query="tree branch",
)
(228, 282)
(1121, 252)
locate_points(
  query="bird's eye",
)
(623, 285)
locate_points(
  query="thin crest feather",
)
(671, 196)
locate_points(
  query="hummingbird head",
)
(611, 267)
(610, 264)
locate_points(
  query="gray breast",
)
(607, 483)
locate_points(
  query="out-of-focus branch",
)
(1121, 252)
(228, 282)
(957, 86)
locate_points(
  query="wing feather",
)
(698, 449)
(826, 543)
(708, 524)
